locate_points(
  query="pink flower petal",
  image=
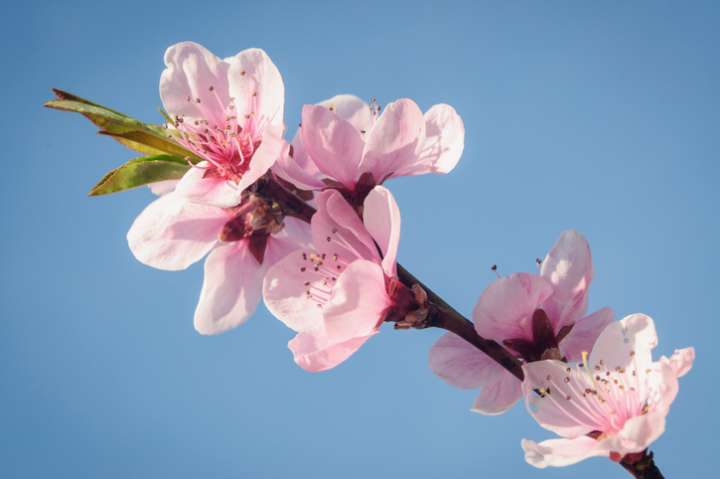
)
(462, 365)
(333, 143)
(286, 293)
(562, 452)
(160, 188)
(173, 233)
(381, 216)
(314, 352)
(682, 360)
(231, 288)
(294, 235)
(554, 397)
(299, 169)
(568, 266)
(393, 142)
(505, 308)
(584, 333)
(444, 142)
(191, 70)
(257, 86)
(272, 147)
(664, 380)
(498, 396)
(638, 433)
(351, 109)
(628, 341)
(337, 229)
(358, 301)
(210, 190)
(459, 363)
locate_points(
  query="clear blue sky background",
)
(602, 116)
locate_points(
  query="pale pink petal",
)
(505, 308)
(626, 342)
(381, 216)
(682, 360)
(459, 363)
(554, 397)
(272, 147)
(393, 142)
(463, 365)
(353, 110)
(498, 396)
(185, 84)
(562, 452)
(160, 188)
(638, 433)
(257, 86)
(172, 233)
(286, 293)
(584, 333)
(337, 229)
(664, 383)
(358, 302)
(294, 235)
(314, 352)
(298, 168)
(197, 186)
(568, 266)
(231, 288)
(333, 143)
(444, 142)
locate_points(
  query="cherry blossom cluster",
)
(308, 226)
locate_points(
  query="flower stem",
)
(641, 466)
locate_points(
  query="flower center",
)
(225, 140)
(253, 219)
(321, 271)
(544, 343)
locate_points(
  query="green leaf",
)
(141, 171)
(147, 139)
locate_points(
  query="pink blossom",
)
(534, 316)
(229, 113)
(336, 295)
(612, 404)
(173, 232)
(345, 143)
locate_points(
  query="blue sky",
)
(600, 116)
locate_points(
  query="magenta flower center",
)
(225, 141)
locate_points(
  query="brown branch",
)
(641, 465)
(442, 315)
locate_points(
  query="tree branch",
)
(641, 465)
